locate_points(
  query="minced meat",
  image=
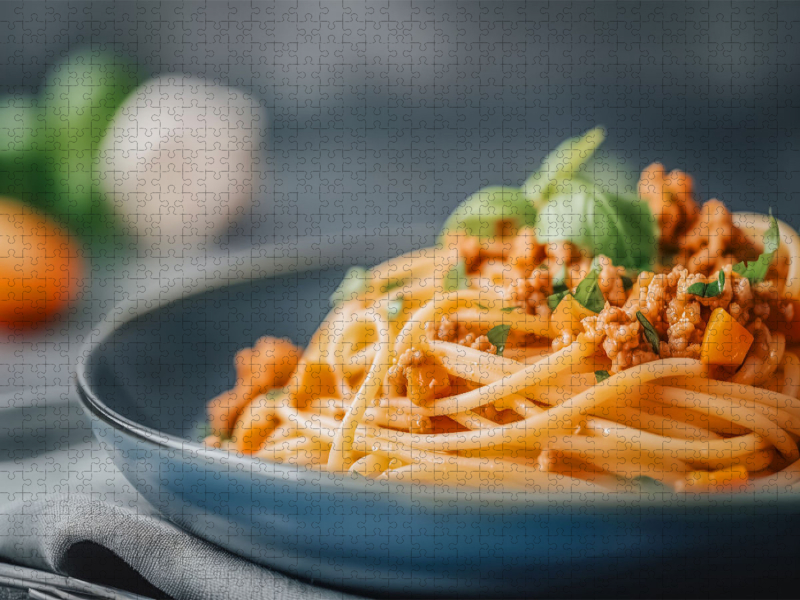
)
(417, 375)
(452, 330)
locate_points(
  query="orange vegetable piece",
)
(311, 381)
(725, 342)
(41, 270)
(225, 408)
(568, 315)
(267, 365)
(255, 424)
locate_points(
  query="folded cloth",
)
(96, 541)
(64, 507)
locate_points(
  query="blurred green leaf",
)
(78, 102)
(21, 138)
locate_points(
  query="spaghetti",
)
(509, 360)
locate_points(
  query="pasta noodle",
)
(449, 366)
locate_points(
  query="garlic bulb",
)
(181, 159)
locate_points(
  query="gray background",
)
(387, 113)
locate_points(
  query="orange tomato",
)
(41, 270)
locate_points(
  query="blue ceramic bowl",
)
(153, 363)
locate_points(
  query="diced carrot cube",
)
(725, 342)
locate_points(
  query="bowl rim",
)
(273, 261)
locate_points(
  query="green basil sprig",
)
(560, 280)
(498, 336)
(627, 282)
(561, 165)
(587, 293)
(553, 300)
(756, 271)
(650, 333)
(575, 207)
(708, 290)
(479, 214)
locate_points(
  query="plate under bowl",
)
(154, 362)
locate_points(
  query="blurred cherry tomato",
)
(41, 270)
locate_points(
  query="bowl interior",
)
(160, 368)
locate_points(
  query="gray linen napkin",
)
(65, 507)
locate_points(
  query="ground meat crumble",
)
(450, 329)
(610, 281)
(671, 199)
(621, 337)
(703, 239)
(713, 241)
(474, 251)
(530, 292)
(530, 288)
(419, 376)
(679, 318)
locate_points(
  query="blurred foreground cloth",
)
(65, 508)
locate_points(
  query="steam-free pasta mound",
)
(561, 336)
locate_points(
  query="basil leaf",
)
(560, 280)
(756, 271)
(588, 292)
(481, 306)
(627, 282)
(553, 300)
(498, 336)
(562, 164)
(353, 283)
(456, 278)
(395, 308)
(589, 212)
(715, 288)
(509, 309)
(697, 289)
(601, 376)
(650, 333)
(478, 215)
(708, 290)
(622, 228)
(772, 238)
(392, 285)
